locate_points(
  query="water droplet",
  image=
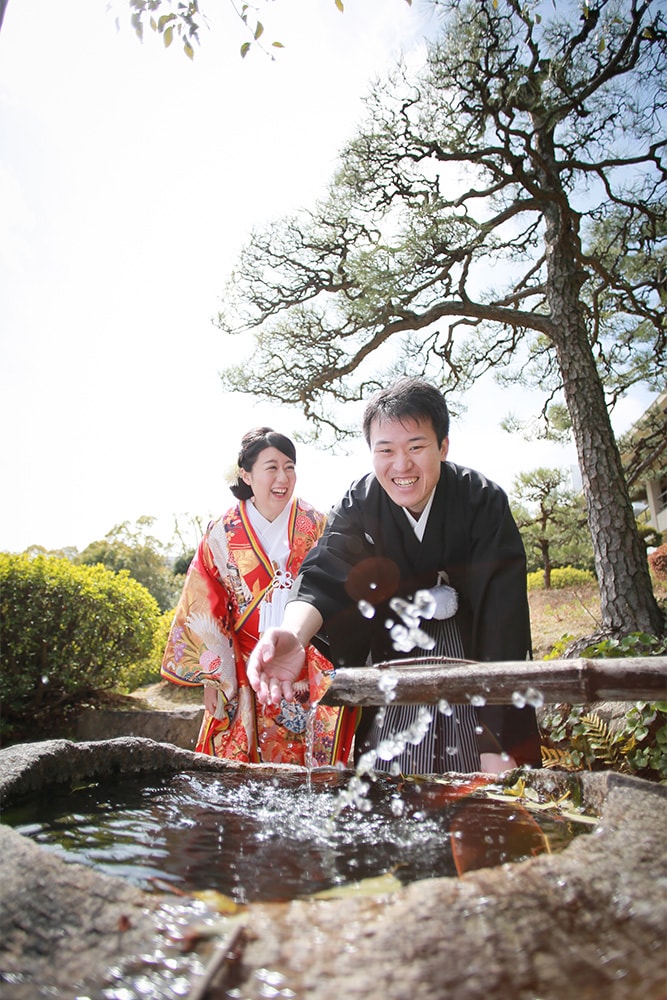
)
(518, 700)
(397, 807)
(269, 976)
(45, 678)
(452, 751)
(400, 606)
(424, 604)
(478, 700)
(444, 707)
(387, 682)
(400, 637)
(366, 609)
(534, 697)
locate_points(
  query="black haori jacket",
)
(370, 552)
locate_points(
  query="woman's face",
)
(272, 480)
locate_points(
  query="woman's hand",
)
(274, 665)
(213, 702)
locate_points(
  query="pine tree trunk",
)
(626, 595)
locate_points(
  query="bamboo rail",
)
(573, 681)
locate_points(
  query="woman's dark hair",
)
(408, 398)
(252, 443)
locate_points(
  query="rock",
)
(589, 923)
(179, 726)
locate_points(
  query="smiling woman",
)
(236, 587)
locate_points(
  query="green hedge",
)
(67, 630)
(564, 576)
(147, 671)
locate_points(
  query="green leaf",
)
(340, 5)
(259, 30)
(165, 19)
(168, 36)
(244, 49)
(277, 45)
(189, 51)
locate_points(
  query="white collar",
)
(418, 525)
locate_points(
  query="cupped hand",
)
(274, 665)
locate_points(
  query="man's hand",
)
(496, 763)
(274, 664)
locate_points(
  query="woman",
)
(237, 587)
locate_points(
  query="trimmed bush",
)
(657, 560)
(67, 630)
(147, 671)
(564, 576)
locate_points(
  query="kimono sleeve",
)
(200, 648)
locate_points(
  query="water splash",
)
(387, 682)
(531, 696)
(406, 634)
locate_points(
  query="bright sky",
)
(129, 179)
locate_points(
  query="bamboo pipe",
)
(431, 679)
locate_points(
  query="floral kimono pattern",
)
(215, 628)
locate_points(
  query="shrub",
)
(561, 577)
(67, 630)
(147, 670)
(657, 560)
(575, 737)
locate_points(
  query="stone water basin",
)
(590, 921)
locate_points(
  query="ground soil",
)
(572, 612)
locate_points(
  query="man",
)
(416, 523)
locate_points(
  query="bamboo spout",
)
(574, 681)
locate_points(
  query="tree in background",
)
(552, 520)
(486, 218)
(144, 556)
(182, 19)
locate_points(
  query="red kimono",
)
(216, 626)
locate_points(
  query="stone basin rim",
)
(25, 768)
(525, 929)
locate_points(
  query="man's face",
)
(406, 460)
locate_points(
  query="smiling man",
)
(417, 523)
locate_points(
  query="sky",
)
(130, 178)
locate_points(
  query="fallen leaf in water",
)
(579, 817)
(217, 901)
(379, 885)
